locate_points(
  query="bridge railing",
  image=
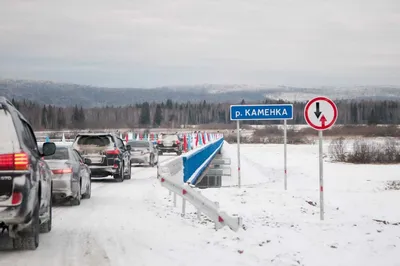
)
(181, 173)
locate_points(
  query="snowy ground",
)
(283, 227)
(134, 223)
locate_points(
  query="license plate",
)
(6, 186)
(96, 159)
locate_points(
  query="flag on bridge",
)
(189, 142)
(201, 141)
(185, 148)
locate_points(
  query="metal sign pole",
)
(285, 151)
(321, 176)
(321, 113)
(238, 150)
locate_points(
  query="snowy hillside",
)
(304, 94)
(62, 94)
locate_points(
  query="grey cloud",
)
(155, 42)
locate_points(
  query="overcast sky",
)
(146, 43)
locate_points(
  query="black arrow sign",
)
(317, 112)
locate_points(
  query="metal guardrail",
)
(171, 176)
(219, 171)
(221, 161)
(202, 204)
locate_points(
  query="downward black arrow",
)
(317, 112)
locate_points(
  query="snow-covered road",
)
(119, 225)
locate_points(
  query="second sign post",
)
(321, 114)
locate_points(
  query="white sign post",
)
(285, 152)
(321, 114)
(238, 151)
(261, 112)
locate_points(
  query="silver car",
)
(71, 175)
(143, 152)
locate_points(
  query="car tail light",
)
(62, 171)
(14, 161)
(16, 198)
(112, 152)
(177, 142)
(159, 141)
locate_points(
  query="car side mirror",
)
(128, 147)
(48, 148)
(87, 161)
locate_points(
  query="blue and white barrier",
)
(196, 161)
(190, 166)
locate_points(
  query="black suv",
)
(108, 154)
(25, 180)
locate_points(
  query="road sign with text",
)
(262, 112)
(320, 113)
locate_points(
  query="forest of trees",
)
(171, 114)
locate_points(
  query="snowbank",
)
(283, 227)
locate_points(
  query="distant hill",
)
(63, 94)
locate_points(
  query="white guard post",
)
(321, 114)
(285, 152)
(238, 151)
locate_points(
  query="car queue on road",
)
(34, 175)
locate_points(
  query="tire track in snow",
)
(85, 234)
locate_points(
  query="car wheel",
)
(120, 176)
(179, 153)
(88, 193)
(151, 163)
(46, 226)
(29, 238)
(77, 200)
(128, 175)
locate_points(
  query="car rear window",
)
(8, 135)
(100, 141)
(170, 137)
(60, 154)
(139, 144)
